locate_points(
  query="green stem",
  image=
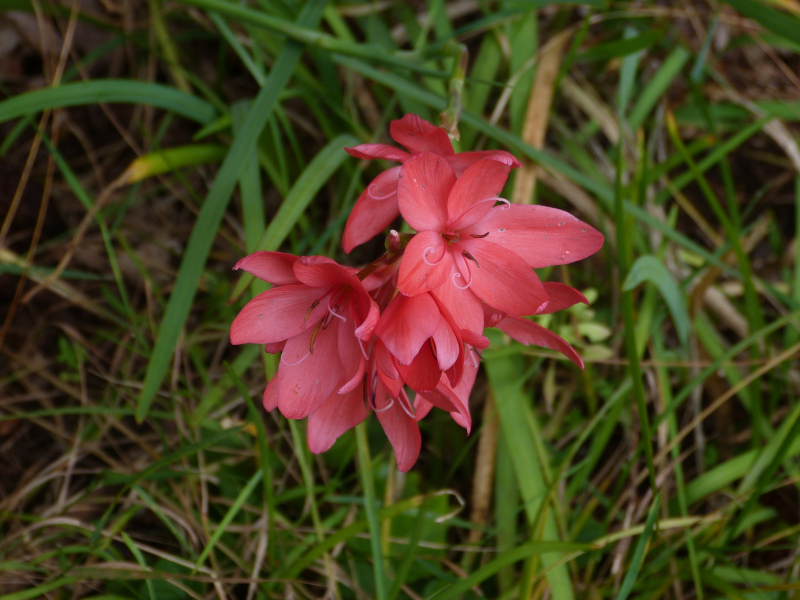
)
(370, 503)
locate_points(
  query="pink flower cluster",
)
(404, 334)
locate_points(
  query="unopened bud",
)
(393, 243)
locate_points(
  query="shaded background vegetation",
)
(147, 146)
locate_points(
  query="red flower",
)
(464, 238)
(376, 208)
(318, 316)
(532, 334)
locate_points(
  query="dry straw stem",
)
(538, 113)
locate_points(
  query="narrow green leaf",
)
(638, 554)
(111, 91)
(229, 516)
(512, 409)
(620, 48)
(544, 549)
(305, 189)
(656, 87)
(781, 23)
(207, 224)
(649, 268)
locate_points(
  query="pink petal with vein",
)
(532, 334)
(274, 347)
(307, 379)
(371, 151)
(422, 190)
(418, 135)
(353, 361)
(374, 210)
(402, 430)
(336, 415)
(482, 180)
(541, 235)
(323, 275)
(462, 160)
(274, 267)
(561, 296)
(276, 315)
(270, 399)
(423, 373)
(406, 325)
(465, 307)
(503, 279)
(426, 264)
(448, 346)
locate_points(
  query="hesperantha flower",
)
(376, 207)
(472, 239)
(404, 334)
(318, 316)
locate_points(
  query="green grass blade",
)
(371, 507)
(229, 517)
(649, 268)
(543, 549)
(210, 216)
(504, 379)
(111, 91)
(638, 554)
(305, 189)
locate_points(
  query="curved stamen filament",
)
(361, 345)
(402, 401)
(385, 408)
(288, 364)
(475, 361)
(372, 192)
(335, 314)
(427, 251)
(469, 283)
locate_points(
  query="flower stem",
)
(370, 503)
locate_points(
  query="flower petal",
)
(464, 306)
(501, 278)
(462, 160)
(541, 235)
(406, 324)
(448, 345)
(351, 357)
(308, 378)
(443, 397)
(324, 274)
(418, 135)
(481, 181)
(532, 334)
(277, 314)
(371, 151)
(274, 347)
(336, 415)
(423, 373)
(426, 264)
(421, 408)
(401, 429)
(561, 296)
(270, 399)
(422, 190)
(274, 267)
(374, 210)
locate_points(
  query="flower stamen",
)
(291, 364)
(385, 408)
(469, 283)
(427, 251)
(371, 188)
